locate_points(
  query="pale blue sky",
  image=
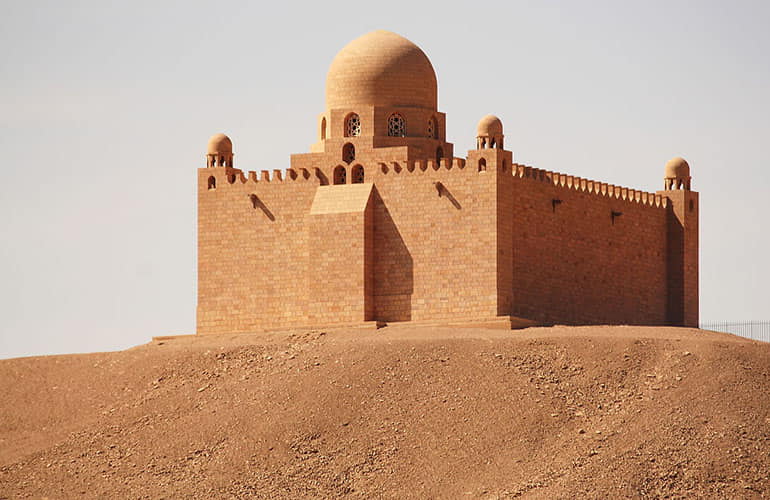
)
(106, 107)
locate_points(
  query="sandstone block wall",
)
(252, 252)
(585, 258)
(434, 243)
(421, 240)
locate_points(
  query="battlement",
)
(421, 165)
(520, 171)
(318, 176)
(234, 175)
(589, 186)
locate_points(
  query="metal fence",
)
(757, 330)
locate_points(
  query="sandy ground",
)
(559, 412)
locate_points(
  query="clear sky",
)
(106, 107)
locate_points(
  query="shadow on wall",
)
(393, 267)
(260, 204)
(321, 177)
(444, 192)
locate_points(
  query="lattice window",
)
(352, 125)
(432, 129)
(396, 126)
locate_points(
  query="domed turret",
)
(220, 143)
(677, 174)
(381, 68)
(489, 133)
(219, 151)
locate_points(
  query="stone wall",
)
(429, 241)
(583, 257)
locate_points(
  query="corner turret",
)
(682, 243)
(489, 133)
(677, 174)
(219, 152)
(489, 154)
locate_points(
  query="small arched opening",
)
(212, 182)
(340, 175)
(352, 125)
(348, 153)
(483, 165)
(439, 155)
(432, 128)
(323, 128)
(357, 174)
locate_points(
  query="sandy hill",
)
(399, 412)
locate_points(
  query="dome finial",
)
(219, 151)
(677, 174)
(489, 133)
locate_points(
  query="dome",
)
(220, 143)
(381, 68)
(490, 125)
(677, 168)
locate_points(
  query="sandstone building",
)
(381, 222)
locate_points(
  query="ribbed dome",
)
(490, 125)
(220, 143)
(677, 168)
(381, 68)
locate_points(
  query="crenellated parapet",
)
(333, 174)
(395, 168)
(589, 186)
(224, 176)
(351, 174)
(417, 166)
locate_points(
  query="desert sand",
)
(399, 412)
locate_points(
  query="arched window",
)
(352, 125)
(231, 178)
(323, 128)
(482, 165)
(348, 153)
(212, 182)
(340, 175)
(432, 128)
(357, 174)
(396, 126)
(439, 155)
